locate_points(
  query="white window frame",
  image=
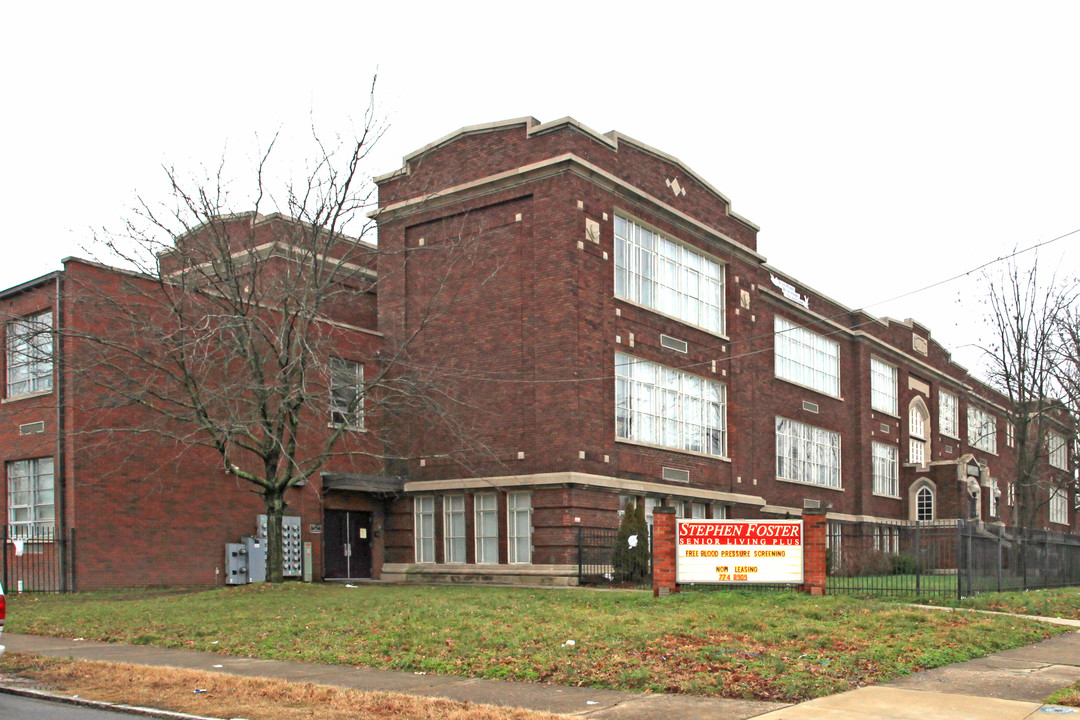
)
(666, 276)
(29, 358)
(886, 469)
(1057, 450)
(660, 406)
(346, 394)
(454, 528)
(948, 414)
(807, 454)
(651, 503)
(918, 433)
(31, 496)
(930, 504)
(519, 527)
(887, 539)
(1059, 506)
(806, 358)
(982, 429)
(424, 532)
(834, 534)
(1010, 434)
(884, 380)
(486, 510)
(992, 496)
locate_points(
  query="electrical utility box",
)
(256, 550)
(292, 549)
(236, 564)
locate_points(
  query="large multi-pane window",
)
(806, 358)
(807, 454)
(886, 470)
(661, 406)
(948, 417)
(29, 355)
(487, 528)
(519, 526)
(454, 528)
(918, 433)
(424, 527)
(982, 429)
(883, 386)
(668, 277)
(1058, 450)
(1059, 506)
(346, 388)
(31, 505)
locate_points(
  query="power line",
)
(487, 377)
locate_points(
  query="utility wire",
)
(488, 377)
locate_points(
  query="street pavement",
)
(1008, 685)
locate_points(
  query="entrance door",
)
(346, 544)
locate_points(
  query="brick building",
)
(628, 339)
(610, 330)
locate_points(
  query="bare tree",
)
(250, 333)
(1067, 368)
(1024, 314)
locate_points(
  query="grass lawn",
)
(764, 645)
(1054, 602)
(1069, 696)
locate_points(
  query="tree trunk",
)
(275, 510)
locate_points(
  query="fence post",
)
(579, 558)
(664, 549)
(1024, 553)
(959, 558)
(71, 560)
(918, 560)
(815, 528)
(6, 587)
(999, 558)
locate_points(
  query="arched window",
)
(918, 433)
(922, 500)
(924, 504)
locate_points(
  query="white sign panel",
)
(739, 552)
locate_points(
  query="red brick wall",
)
(535, 346)
(147, 509)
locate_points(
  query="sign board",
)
(739, 552)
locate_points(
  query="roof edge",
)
(612, 139)
(30, 284)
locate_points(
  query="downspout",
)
(59, 369)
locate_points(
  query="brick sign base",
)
(665, 549)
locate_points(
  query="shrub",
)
(905, 565)
(630, 559)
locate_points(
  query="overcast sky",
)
(880, 147)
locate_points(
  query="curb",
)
(100, 705)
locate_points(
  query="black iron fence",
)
(946, 559)
(604, 559)
(33, 559)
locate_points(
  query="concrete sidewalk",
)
(1008, 685)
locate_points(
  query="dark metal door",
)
(346, 544)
